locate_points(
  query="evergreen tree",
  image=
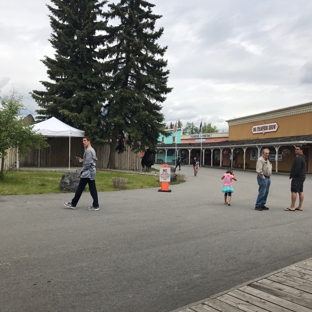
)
(75, 93)
(179, 124)
(138, 78)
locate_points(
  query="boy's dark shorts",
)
(297, 185)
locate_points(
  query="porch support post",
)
(232, 157)
(244, 158)
(276, 157)
(221, 154)
(203, 153)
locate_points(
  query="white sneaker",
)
(93, 208)
(69, 205)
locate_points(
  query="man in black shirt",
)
(298, 175)
(178, 162)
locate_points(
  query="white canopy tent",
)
(55, 128)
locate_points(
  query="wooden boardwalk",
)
(289, 289)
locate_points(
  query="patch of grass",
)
(48, 182)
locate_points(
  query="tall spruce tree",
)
(75, 91)
(138, 78)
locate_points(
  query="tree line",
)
(108, 75)
(191, 128)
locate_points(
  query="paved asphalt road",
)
(146, 251)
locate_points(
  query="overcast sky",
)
(227, 58)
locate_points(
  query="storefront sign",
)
(271, 127)
(196, 136)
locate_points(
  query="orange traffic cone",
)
(164, 178)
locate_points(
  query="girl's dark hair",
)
(230, 171)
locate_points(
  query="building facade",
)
(278, 130)
(173, 139)
(187, 146)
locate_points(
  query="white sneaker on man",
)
(69, 205)
(93, 208)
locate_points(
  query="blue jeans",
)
(263, 192)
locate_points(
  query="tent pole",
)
(69, 153)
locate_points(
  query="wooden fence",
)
(9, 160)
(57, 155)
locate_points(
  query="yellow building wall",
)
(283, 166)
(293, 125)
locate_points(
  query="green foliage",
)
(75, 92)
(16, 132)
(138, 78)
(190, 128)
(208, 128)
(171, 125)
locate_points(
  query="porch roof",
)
(282, 141)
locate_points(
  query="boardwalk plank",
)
(305, 266)
(221, 306)
(297, 279)
(304, 271)
(285, 292)
(240, 304)
(288, 282)
(285, 288)
(203, 308)
(296, 273)
(262, 303)
(274, 299)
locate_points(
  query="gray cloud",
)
(4, 81)
(227, 58)
(306, 73)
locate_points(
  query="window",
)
(163, 140)
(173, 139)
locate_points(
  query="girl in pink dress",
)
(227, 188)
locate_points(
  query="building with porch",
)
(278, 130)
(173, 139)
(186, 146)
